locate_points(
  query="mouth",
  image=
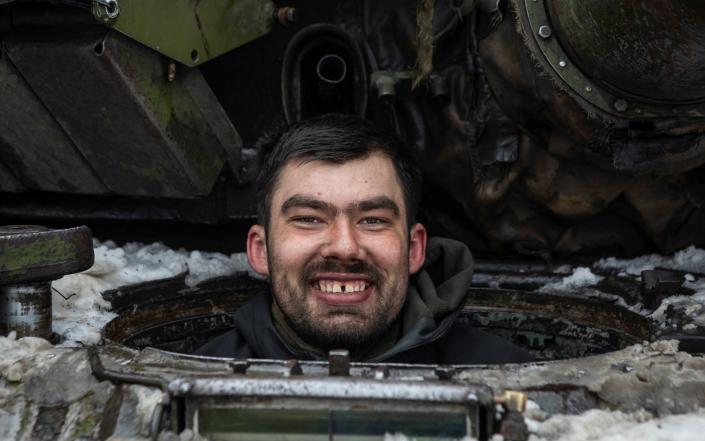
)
(342, 289)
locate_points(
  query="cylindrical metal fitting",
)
(332, 69)
(26, 309)
(386, 87)
(286, 15)
(31, 257)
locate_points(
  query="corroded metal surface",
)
(550, 326)
(30, 257)
(193, 316)
(626, 59)
(648, 48)
(33, 253)
(26, 309)
(345, 389)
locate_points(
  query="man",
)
(337, 240)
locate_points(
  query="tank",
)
(545, 128)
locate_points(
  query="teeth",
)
(340, 287)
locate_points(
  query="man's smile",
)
(342, 288)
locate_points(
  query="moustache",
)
(336, 266)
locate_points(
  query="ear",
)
(257, 250)
(417, 247)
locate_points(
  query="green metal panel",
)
(193, 31)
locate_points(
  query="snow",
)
(603, 425)
(581, 277)
(80, 312)
(689, 259)
(402, 437)
(16, 352)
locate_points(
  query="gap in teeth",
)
(332, 286)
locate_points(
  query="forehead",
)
(339, 183)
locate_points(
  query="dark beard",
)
(356, 339)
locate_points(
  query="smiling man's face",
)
(338, 252)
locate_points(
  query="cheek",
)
(292, 251)
(390, 250)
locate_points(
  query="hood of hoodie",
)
(435, 296)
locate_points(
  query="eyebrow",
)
(301, 201)
(376, 203)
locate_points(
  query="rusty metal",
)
(34, 253)
(512, 426)
(286, 15)
(554, 326)
(658, 284)
(550, 326)
(26, 309)
(188, 322)
(626, 58)
(30, 257)
(339, 362)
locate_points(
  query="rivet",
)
(588, 89)
(184, 388)
(545, 31)
(621, 105)
(562, 63)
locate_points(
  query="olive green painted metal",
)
(34, 253)
(192, 31)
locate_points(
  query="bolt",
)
(381, 373)
(184, 388)
(621, 105)
(438, 86)
(386, 86)
(545, 31)
(286, 15)
(562, 63)
(171, 71)
(339, 362)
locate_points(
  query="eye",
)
(306, 219)
(374, 221)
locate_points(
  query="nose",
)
(342, 242)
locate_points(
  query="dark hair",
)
(334, 138)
